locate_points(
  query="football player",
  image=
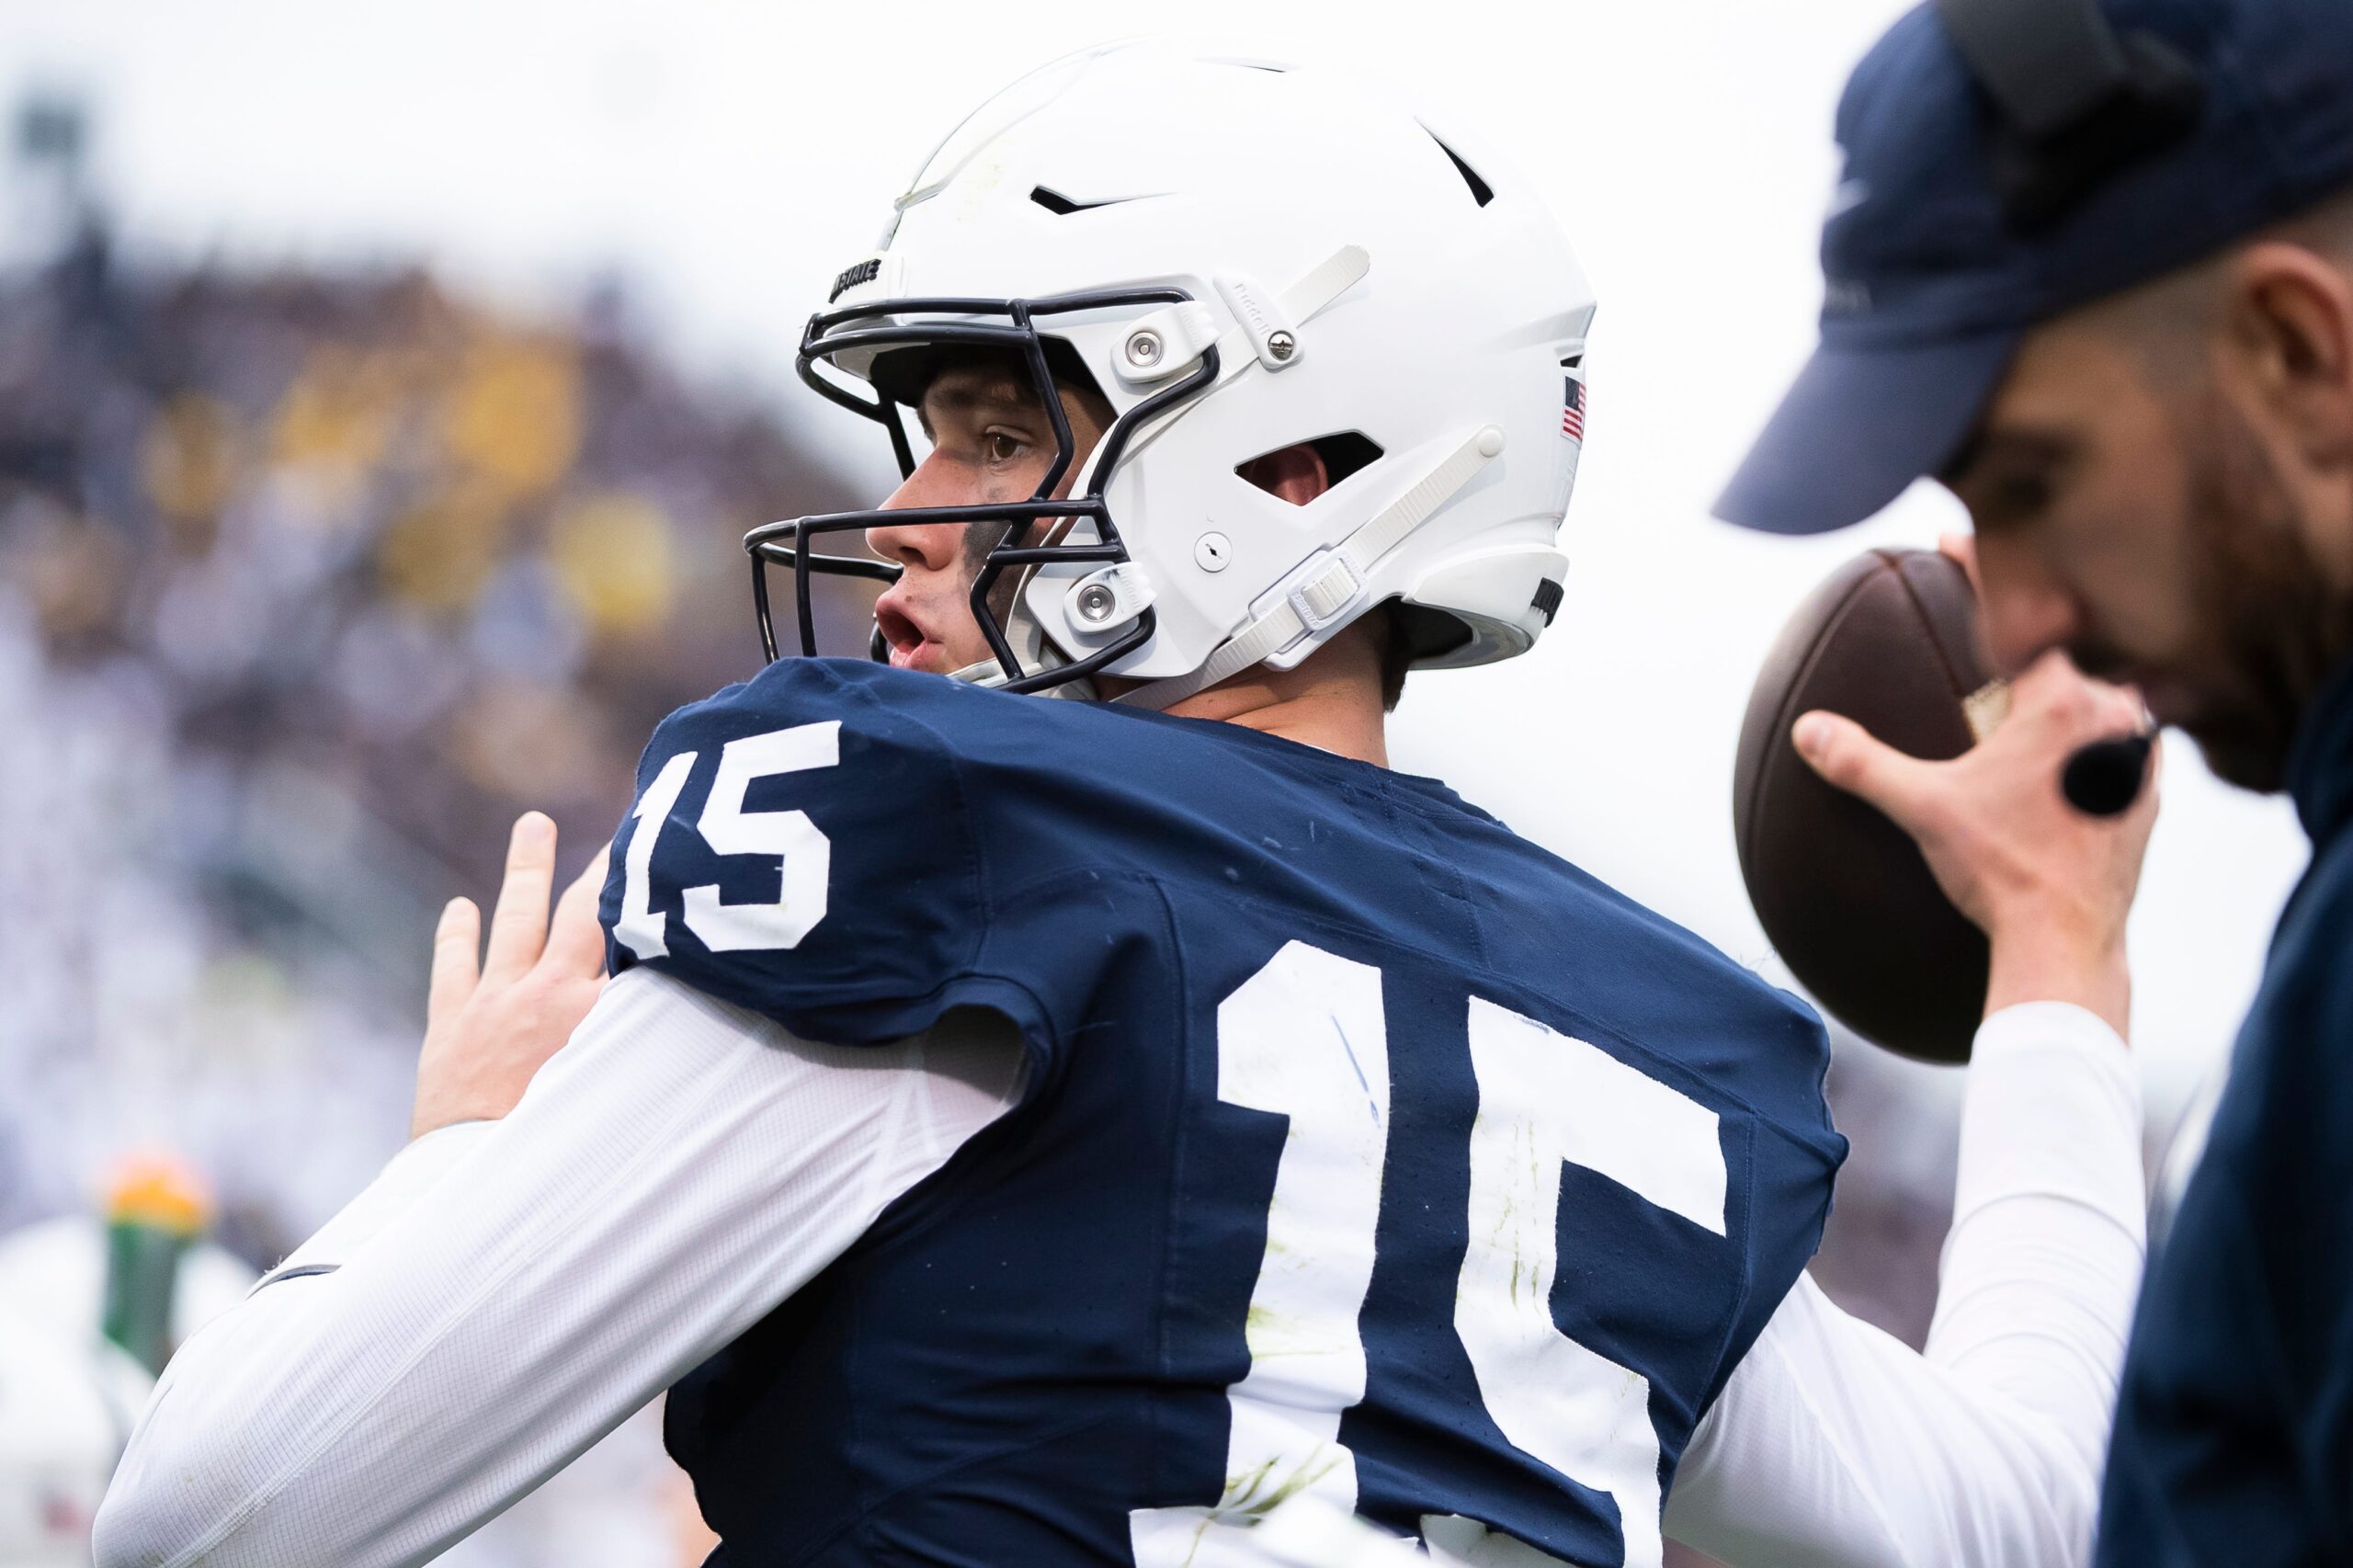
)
(1032, 1131)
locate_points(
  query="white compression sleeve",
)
(1834, 1445)
(507, 1292)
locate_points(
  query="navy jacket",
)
(2234, 1432)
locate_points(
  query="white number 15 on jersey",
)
(1305, 1038)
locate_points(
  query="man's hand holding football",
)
(2050, 887)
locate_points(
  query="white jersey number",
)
(804, 855)
(1305, 1038)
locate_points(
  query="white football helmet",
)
(1242, 255)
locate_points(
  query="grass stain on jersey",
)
(1244, 1490)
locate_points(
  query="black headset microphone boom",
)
(2075, 102)
(2103, 779)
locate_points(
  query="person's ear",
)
(1295, 474)
(2289, 324)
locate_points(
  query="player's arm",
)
(512, 1289)
(1833, 1444)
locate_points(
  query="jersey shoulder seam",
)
(970, 845)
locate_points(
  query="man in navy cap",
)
(2092, 266)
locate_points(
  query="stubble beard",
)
(2274, 628)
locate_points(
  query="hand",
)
(485, 1034)
(2050, 887)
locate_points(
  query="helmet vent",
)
(1481, 191)
(1344, 452)
(1062, 206)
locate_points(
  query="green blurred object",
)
(155, 1211)
(142, 1268)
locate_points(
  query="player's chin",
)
(2247, 747)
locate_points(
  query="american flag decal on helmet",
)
(1572, 411)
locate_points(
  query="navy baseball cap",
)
(2011, 160)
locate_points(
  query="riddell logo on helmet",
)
(864, 272)
(1241, 298)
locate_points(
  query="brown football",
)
(1891, 642)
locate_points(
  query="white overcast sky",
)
(729, 156)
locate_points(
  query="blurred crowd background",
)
(310, 583)
(318, 565)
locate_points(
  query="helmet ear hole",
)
(1344, 452)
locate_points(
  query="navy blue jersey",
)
(1366, 1150)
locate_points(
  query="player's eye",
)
(999, 448)
(2021, 496)
(2010, 496)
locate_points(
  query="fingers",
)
(1846, 755)
(2154, 789)
(456, 939)
(1961, 549)
(519, 926)
(2082, 708)
(576, 941)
